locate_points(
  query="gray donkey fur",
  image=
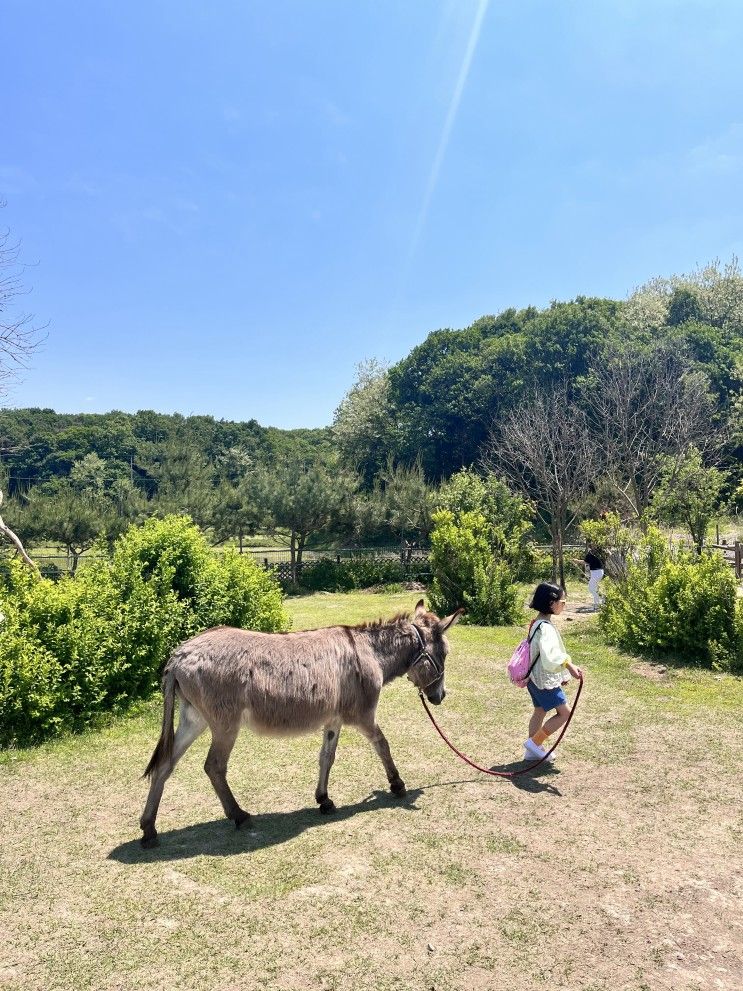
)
(286, 683)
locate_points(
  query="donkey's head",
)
(427, 670)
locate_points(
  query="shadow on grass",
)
(220, 838)
(526, 782)
(530, 781)
(516, 773)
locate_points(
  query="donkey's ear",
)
(444, 624)
(420, 606)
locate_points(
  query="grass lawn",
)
(620, 869)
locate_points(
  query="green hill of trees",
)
(583, 406)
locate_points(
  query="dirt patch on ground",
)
(651, 670)
(619, 869)
(578, 608)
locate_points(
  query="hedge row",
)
(75, 648)
(328, 575)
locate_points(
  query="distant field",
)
(618, 870)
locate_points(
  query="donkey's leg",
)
(330, 735)
(190, 725)
(378, 740)
(223, 740)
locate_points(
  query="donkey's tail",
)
(164, 749)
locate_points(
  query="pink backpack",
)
(520, 666)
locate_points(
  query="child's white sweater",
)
(550, 671)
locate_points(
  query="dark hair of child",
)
(544, 595)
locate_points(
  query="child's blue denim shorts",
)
(546, 698)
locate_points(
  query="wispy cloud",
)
(717, 157)
(451, 117)
(79, 185)
(16, 181)
(332, 113)
(721, 154)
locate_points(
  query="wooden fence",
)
(733, 554)
(279, 559)
(276, 559)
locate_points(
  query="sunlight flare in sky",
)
(448, 125)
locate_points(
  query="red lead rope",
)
(505, 774)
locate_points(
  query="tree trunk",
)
(698, 534)
(638, 497)
(300, 551)
(558, 562)
(563, 528)
(293, 556)
(555, 566)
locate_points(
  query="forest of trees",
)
(585, 406)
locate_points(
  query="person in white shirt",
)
(551, 669)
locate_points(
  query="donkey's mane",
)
(369, 624)
(375, 624)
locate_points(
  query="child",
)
(551, 670)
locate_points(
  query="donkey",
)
(286, 683)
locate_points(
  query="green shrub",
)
(360, 572)
(684, 606)
(50, 570)
(172, 546)
(70, 622)
(325, 575)
(479, 550)
(508, 518)
(30, 680)
(238, 592)
(496, 598)
(81, 646)
(466, 572)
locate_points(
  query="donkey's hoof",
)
(398, 788)
(242, 818)
(327, 806)
(150, 841)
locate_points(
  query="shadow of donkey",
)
(217, 838)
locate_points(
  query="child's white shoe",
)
(533, 751)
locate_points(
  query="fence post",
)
(265, 563)
(738, 559)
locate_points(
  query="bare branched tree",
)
(19, 337)
(543, 447)
(646, 406)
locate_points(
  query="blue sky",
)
(229, 205)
